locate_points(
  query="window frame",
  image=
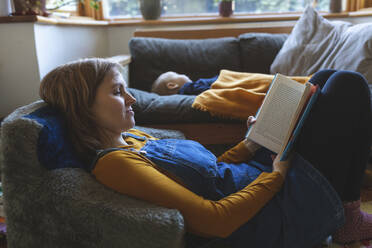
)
(214, 18)
(215, 14)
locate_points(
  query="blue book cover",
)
(299, 125)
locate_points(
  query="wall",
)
(30, 50)
(118, 38)
(19, 72)
(56, 45)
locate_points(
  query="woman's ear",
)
(172, 86)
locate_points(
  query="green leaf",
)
(94, 4)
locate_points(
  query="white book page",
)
(275, 116)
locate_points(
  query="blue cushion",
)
(54, 148)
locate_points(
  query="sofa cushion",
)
(150, 108)
(202, 58)
(316, 43)
(258, 50)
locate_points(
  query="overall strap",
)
(101, 153)
(142, 138)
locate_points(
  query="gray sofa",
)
(250, 52)
(66, 207)
(198, 58)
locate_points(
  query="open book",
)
(282, 114)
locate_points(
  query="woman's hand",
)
(281, 166)
(252, 146)
(250, 121)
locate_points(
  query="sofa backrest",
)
(195, 58)
(258, 50)
(200, 58)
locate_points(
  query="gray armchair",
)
(67, 207)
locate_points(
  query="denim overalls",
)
(302, 214)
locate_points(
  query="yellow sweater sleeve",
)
(134, 175)
(237, 154)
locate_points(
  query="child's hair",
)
(71, 88)
(160, 84)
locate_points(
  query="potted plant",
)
(38, 7)
(82, 5)
(150, 9)
(225, 7)
(335, 6)
(30, 7)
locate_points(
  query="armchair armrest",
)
(89, 214)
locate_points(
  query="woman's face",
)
(112, 105)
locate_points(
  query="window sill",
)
(75, 21)
(213, 19)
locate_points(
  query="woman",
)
(243, 196)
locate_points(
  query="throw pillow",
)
(54, 149)
(316, 43)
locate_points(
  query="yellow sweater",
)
(236, 94)
(133, 174)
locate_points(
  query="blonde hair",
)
(160, 84)
(71, 88)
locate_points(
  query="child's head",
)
(169, 83)
(75, 89)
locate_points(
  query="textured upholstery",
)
(195, 58)
(67, 207)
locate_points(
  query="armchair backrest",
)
(51, 201)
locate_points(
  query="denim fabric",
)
(197, 87)
(302, 214)
(336, 137)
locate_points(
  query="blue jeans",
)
(303, 213)
(336, 137)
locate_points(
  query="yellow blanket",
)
(236, 94)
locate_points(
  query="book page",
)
(277, 112)
(313, 93)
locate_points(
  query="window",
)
(130, 8)
(62, 5)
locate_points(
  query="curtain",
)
(85, 9)
(354, 5)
